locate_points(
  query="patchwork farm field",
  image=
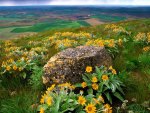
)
(24, 19)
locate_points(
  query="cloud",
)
(99, 2)
(75, 2)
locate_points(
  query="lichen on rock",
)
(70, 64)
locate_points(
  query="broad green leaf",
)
(101, 87)
(113, 88)
(105, 89)
(90, 91)
(106, 83)
(120, 89)
(108, 97)
(99, 73)
(116, 94)
(85, 78)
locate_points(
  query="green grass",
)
(5, 33)
(83, 23)
(109, 18)
(21, 102)
(127, 61)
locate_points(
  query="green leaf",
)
(81, 112)
(101, 87)
(90, 91)
(120, 89)
(78, 85)
(24, 75)
(108, 97)
(85, 78)
(116, 94)
(79, 109)
(44, 106)
(98, 72)
(113, 88)
(105, 89)
(106, 83)
(88, 75)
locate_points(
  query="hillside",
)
(22, 61)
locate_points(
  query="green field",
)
(14, 27)
(58, 24)
(9, 19)
(109, 18)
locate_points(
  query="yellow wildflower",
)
(95, 86)
(100, 98)
(120, 42)
(81, 100)
(72, 87)
(88, 69)
(90, 108)
(67, 85)
(84, 84)
(49, 101)
(51, 88)
(110, 68)
(105, 77)
(94, 79)
(41, 110)
(8, 68)
(15, 67)
(140, 36)
(101, 44)
(42, 101)
(11, 60)
(146, 48)
(107, 109)
(20, 68)
(111, 45)
(114, 71)
(96, 101)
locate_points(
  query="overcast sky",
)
(73, 2)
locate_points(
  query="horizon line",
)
(74, 5)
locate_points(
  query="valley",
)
(28, 20)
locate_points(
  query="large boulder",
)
(70, 64)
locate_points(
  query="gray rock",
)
(70, 64)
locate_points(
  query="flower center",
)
(89, 108)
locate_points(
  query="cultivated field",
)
(37, 19)
(94, 21)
